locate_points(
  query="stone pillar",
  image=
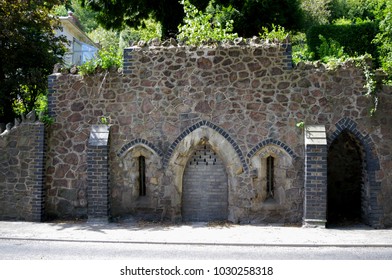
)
(315, 204)
(98, 174)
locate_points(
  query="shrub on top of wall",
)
(355, 38)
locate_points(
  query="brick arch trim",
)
(137, 142)
(372, 163)
(271, 141)
(347, 124)
(216, 128)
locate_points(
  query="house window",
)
(142, 176)
(270, 176)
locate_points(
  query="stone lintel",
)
(99, 135)
(315, 135)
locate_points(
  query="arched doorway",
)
(345, 180)
(205, 187)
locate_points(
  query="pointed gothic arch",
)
(181, 151)
(139, 142)
(273, 173)
(217, 130)
(271, 141)
(370, 187)
(140, 162)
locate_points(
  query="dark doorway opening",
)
(345, 181)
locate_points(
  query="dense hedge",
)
(355, 38)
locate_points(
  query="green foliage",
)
(85, 17)
(300, 50)
(113, 42)
(89, 67)
(109, 58)
(41, 108)
(149, 29)
(46, 119)
(105, 38)
(355, 38)
(41, 105)
(249, 15)
(120, 39)
(19, 104)
(118, 14)
(106, 59)
(329, 49)
(384, 40)
(300, 125)
(28, 51)
(201, 26)
(357, 9)
(252, 15)
(371, 84)
(60, 10)
(342, 21)
(104, 120)
(277, 32)
(316, 12)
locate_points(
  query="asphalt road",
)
(23, 249)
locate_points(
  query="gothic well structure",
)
(207, 133)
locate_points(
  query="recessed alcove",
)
(345, 180)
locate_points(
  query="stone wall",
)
(244, 101)
(22, 172)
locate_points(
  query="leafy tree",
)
(250, 17)
(85, 16)
(357, 9)
(254, 14)
(121, 13)
(316, 12)
(28, 51)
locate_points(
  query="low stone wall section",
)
(22, 172)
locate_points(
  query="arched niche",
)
(272, 167)
(371, 211)
(203, 135)
(142, 173)
(205, 186)
(346, 181)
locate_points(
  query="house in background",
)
(81, 48)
